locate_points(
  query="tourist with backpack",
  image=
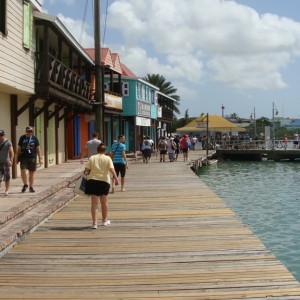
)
(185, 145)
(162, 146)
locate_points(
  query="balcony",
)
(54, 78)
(167, 114)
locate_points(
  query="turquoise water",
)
(266, 197)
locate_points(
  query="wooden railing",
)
(63, 78)
(167, 114)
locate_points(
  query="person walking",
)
(147, 149)
(27, 152)
(98, 168)
(118, 156)
(162, 146)
(185, 146)
(177, 142)
(171, 147)
(91, 146)
(6, 160)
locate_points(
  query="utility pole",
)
(99, 113)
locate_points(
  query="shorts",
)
(97, 187)
(120, 168)
(4, 172)
(147, 152)
(163, 152)
(28, 164)
(185, 150)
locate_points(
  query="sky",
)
(243, 54)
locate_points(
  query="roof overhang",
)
(166, 96)
(64, 31)
(36, 5)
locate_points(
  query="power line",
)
(83, 21)
(104, 31)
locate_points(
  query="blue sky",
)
(242, 54)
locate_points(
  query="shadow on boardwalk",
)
(171, 237)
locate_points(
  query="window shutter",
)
(27, 24)
(3, 16)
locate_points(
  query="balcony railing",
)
(167, 114)
(62, 78)
(253, 144)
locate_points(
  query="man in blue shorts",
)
(28, 150)
(118, 155)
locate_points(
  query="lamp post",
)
(207, 140)
(203, 124)
(253, 117)
(274, 113)
(222, 107)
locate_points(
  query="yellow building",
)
(213, 124)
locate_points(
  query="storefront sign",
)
(143, 109)
(139, 121)
(112, 101)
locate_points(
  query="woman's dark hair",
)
(101, 148)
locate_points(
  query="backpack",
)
(162, 145)
(188, 144)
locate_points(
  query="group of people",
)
(99, 169)
(172, 146)
(27, 152)
(167, 147)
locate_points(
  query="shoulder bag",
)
(80, 185)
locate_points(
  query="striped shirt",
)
(117, 150)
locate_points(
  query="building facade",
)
(17, 65)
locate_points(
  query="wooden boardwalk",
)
(171, 237)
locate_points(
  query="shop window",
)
(3, 16)
(125, 89)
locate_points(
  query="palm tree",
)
(233, 116)
(165, 87)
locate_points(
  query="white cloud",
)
(75, 28)
(208, 49)
(204, 40)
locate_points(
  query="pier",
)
(257, 154)
(170, 237)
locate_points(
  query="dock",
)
(257, 154)
(170, 237)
